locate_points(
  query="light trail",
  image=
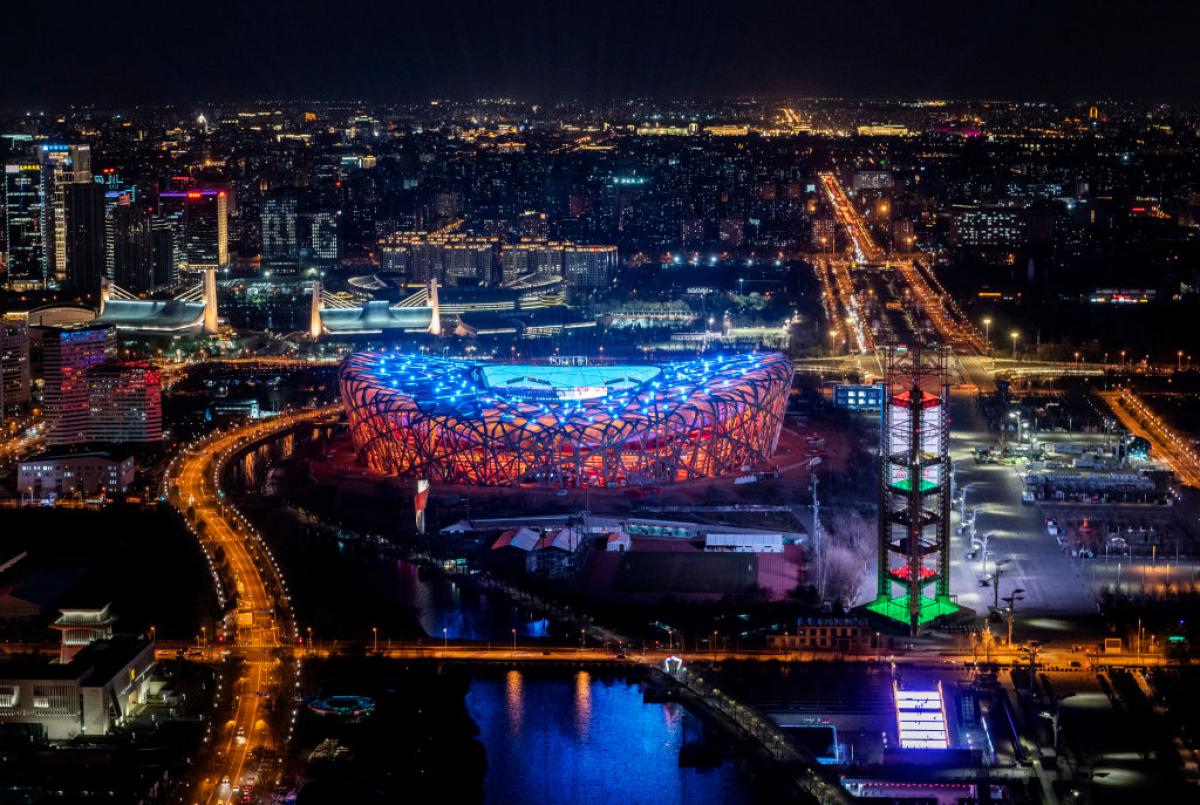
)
(1172, 447)
(264, 621)
(947, 320)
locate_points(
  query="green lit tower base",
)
(914, 494)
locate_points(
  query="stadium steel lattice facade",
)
(464, 422)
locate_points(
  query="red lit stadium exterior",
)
(471, 423)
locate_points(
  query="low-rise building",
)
(60, 475)
(844, 635)
(90, 695)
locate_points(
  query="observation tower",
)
(913, 585)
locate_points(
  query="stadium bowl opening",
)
(471, 423)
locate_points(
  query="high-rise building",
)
(86, 259)
(280, 243)
(321, 246)
(124, 403)
(163, 240)
(589, 266)
(68, 353)
(514, 262)
(130, 249)
(531, 257)
(14, 368)
(62, 166)
(205, 225)
(23, 203)
(467, 259)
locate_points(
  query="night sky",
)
(110, 53)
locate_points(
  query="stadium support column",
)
(420, 501)
(435, 323)
(105, 292)
(210, 301)
(914, 496)
(314, 311)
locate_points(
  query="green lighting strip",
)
(897, 608)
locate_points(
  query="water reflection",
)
(583, 705)
(515, 700)
(579, 737)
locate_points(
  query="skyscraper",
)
(23, 204)
(205, 225)
(86, 259)
(130, 250)
(62, 166)
(280, 244)
(163, 240)
(321, 247)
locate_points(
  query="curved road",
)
(263, 608)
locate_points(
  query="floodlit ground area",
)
(1031, 559)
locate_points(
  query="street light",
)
(375, 639)
(1014, 335)
(987, 333)
(1012, 609)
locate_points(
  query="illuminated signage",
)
(921, 718)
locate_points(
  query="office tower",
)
(23, 204)
(81, 163)
(280, 244)
(321, 247)
(129, 244)
(61, 166)
(86, 257)
(67, 355)
(163, 239)
(205, 217)
(14, 368)
(124, 403)
(589, 266)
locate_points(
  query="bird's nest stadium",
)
(490, 424)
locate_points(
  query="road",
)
(1165, 444)
(263, 609)
(928, 295)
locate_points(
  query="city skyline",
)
(678, 447)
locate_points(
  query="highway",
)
(930, 298)
(263, 621)
(1165, 444)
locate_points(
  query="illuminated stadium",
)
(463, 422)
